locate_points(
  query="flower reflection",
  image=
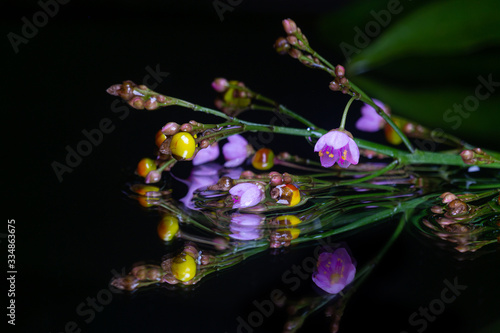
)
(246, 226)
(334, 271)
(201, 175)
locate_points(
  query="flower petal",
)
(251, 197)
(235, 162)
(207, 154)
(353, 152)
(336, 139)
(320, 144)
(368, 124)
(328, 156)
(235, 148)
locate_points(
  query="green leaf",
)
(439, 28)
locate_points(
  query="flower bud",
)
(334, 86)
(340, 71)
(457, 207)
(448, 197)
(467, 156)
(281, 46)
(159, 138)
(170, 128)
(168, 227)
(145, 166)
(152, 177)
(183, 145)
(289, 26)
(151, 104)
(183, 267)
(220, 84)
(136, 102)
(294, 53)
(286, 194)
(292, 40)
(186, 127)
(263, 159)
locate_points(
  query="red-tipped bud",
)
(340, 71)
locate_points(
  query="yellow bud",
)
(288, 220)
(183, 267)
(168, 227)
(182, 145)
(145, 166)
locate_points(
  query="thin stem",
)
(365, 98)
(377, 173)
(346, 110)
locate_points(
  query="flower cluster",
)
(233, 97)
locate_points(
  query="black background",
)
(71, 235)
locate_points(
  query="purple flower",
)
(334, 271)
(246, 226)
(246, 195)
(337, 146)
(207, 154)
(235, 151)
(370, 120)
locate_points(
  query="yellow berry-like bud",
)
(263, 159)
(168, 227)
(182, 145)
(160, 137)
(294, 232)
(145, 166)
(288, 219)
(183, 267)
(286, 194)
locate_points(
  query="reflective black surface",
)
(75, 231)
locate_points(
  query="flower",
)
(337, 146)
(370, 120)
(207, 154)
(235, 151)
(334, 271)
(246, 195)
(246, 226)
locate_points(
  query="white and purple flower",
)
(246, 226)
(337, 146)
(334, 271)
(246, 195)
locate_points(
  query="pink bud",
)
(220, 84)
(289, 26)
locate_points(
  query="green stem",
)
(366, 99)
(344, 115)
(372, 175)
